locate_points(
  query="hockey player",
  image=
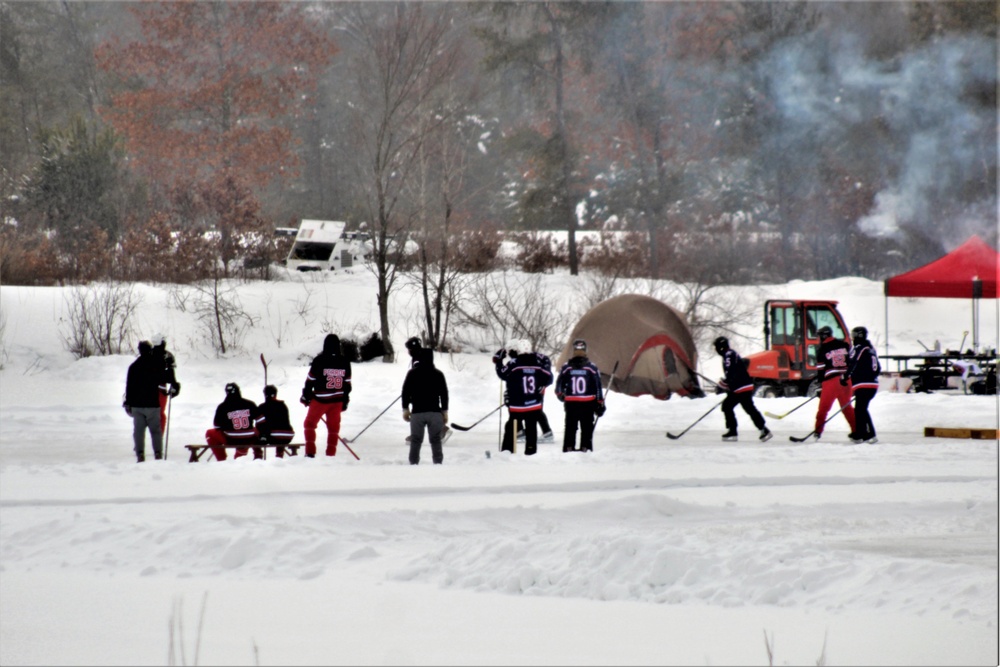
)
(326, 394)
(831, 364)
(525, 378)
(170, 387)
(863, 369)
(738, 387)
(543, 420)
(273, 424)
(234, 425)
(142, 403)
(579, 388)
(425, 390)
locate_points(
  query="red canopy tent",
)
(967, 272)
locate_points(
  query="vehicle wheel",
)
(767, 391)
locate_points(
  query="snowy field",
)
(647, 551)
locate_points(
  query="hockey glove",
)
(128, 409)
(175, 389)
(506, 398)
(304, 400)
(843, 381)
(406, 415)
(498, 357)
(444, 416)
(600, 409)
(347, 402)
(262, 439)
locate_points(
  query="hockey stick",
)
(678, 435)
(707, 379)
(774, 416)
(265, 367)
(813, 432)
(469, 428)
(345, 441)
(610, 380)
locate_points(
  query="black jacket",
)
(142, 384)
(425, 387)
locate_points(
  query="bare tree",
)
(403, 59)
(506, 304)
(100, 319)
(221, 313)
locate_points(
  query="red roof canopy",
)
(952, 276)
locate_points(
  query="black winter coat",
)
(425, 387)
(142, 384)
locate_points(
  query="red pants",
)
(216, 437)
(163, 412)
(832, 389)
(316, 411)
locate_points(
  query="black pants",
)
(530, 421)
(863, 426)
(543, 423)
(579, 414)
(744, 399)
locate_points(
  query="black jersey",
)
(329, 378)
(863, 366)
(579, 381)
(737, 380)
(235, 416)
(831, 358)
(526, 378)
(272, 419)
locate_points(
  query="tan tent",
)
(650, 341)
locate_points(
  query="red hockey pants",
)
(832, 389)
(316, 411)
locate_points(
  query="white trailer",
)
(322, 245)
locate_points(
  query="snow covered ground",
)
(648, 551)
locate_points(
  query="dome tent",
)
(650, 342)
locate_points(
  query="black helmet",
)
(270, 391)
(145, 347)
(825, 332)
(233, 389)
(859, 334)
(721, 344)
(413, 346)
(331, 344)
(579, 348)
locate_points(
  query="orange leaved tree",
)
(210, 90)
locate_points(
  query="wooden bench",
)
(197, 451)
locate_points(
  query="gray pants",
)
(434, 423)
(142, 419)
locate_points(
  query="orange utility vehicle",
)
(788, 366)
